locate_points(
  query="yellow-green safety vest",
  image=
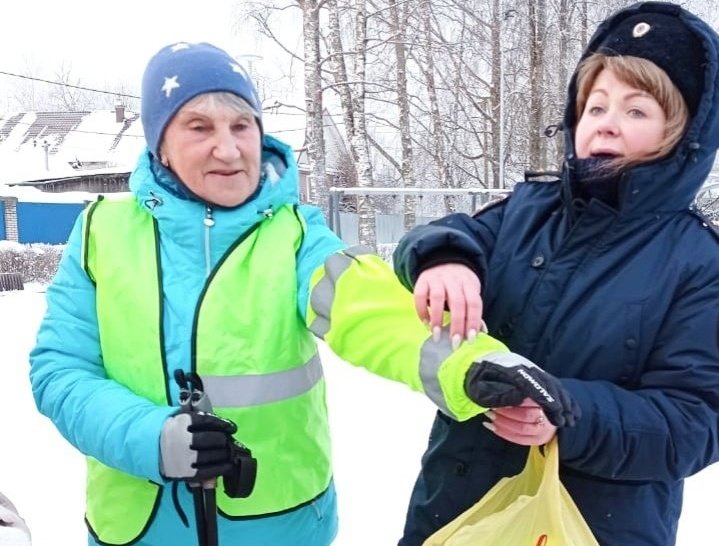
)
(258, 361)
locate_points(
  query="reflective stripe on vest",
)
(252, 390)
(257, 359)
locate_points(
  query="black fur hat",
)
(655, 31)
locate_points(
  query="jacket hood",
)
(672, 182)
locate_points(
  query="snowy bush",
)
(35, 262)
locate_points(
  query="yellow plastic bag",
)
(530, 509)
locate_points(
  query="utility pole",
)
(46, 147)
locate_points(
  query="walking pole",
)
(239, 482)
(193, 398)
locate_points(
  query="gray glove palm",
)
(196, 446)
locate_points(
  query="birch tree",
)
(315, 140)
(398, 24)
(352, 100)
(564, 15)
(436, 125)
(536, 69)
(495, 92)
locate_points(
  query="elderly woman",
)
(209, 269)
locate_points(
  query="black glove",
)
(195, 445)
(505, 379)
(240, 482)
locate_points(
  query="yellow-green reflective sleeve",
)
(358, 306)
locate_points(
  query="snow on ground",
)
(379, 431)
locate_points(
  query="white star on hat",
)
(169, 85)
(180, 45)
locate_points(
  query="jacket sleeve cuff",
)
(441, 257)
(453, 376)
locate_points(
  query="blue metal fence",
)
(46, 222)
(2, 219)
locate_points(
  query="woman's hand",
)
(525, 425)
(454, 287)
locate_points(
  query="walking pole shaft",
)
(209, 494)
(200, 515)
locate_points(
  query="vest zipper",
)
(209, 221)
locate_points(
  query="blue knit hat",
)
(180, 72)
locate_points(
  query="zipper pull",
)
(209, 221)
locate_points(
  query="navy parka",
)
(622, 304)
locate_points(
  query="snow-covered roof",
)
(51, 145)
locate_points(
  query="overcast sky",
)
(111, 41)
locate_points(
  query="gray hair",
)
(227, 99)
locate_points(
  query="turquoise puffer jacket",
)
(67, 374)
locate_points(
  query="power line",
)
(40, 124)
(114, 93)
(117, 94)
(269, 108)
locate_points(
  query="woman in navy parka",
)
(608, 279)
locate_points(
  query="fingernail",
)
(456, 341)
(490, 415)
(483, 327)
(471, 335)
(436, 334)
(489, 426)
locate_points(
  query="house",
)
(53, 163)
(70, 151)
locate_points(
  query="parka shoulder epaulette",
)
(495, 202)
(705, 222)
